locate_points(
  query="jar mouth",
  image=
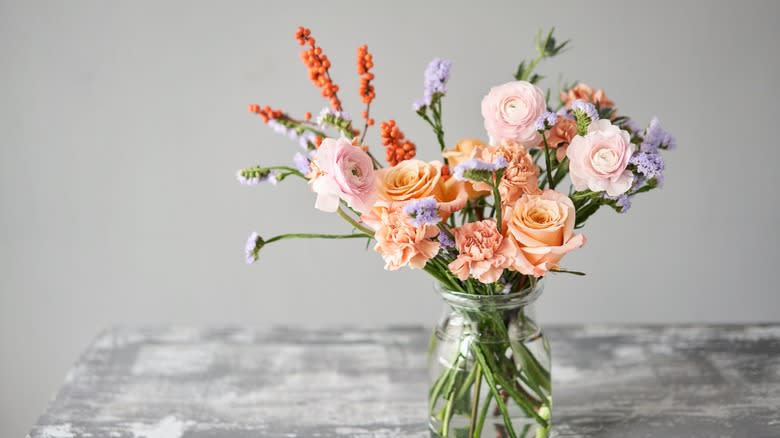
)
(510, 300)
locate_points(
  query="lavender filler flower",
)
(253, 245)
(446, 240)
(657, 137)
(586, 107)
(436, 75)
(472, 166)
(649, 164)
(302, 163)
(423, 212)
(546, 120)
(256, 175)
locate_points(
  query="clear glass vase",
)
(489, 367)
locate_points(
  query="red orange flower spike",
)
(318, 65)
(266, 113)
(365, 61)
(398, 148)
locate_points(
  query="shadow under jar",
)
(489, 367)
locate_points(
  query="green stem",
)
(497, 200)
(482, 416)
(354, 223)
(317, 236)
(494, 390)
(548, 163)
(475, 401)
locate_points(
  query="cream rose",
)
(543, 227)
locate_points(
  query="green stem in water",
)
(475, 401)
(482, 415)
(494, 390)
(354, 223)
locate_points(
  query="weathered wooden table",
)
(681, 381)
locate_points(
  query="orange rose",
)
(415, 179)
(465, 150)
(542, 225)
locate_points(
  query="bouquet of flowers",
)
(488, 221)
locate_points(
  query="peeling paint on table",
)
(236, 382)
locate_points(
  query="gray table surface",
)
(609, 381)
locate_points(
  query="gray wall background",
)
(122, 124)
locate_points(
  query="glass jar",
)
(489, 367)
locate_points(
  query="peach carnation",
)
(560, 135)
(586, 93)
(400, 243)
(484, 252)
(521, 174)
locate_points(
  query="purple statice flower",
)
(423, 212)
(623, 202)
(475, 165)
(253, 245)
(546, 120)
(632, 127)
(656, 137)
(256, 175)
(564, 112)
(436, 76)
(649, 164)
(302, 163)
(587, 108)
(445, 240)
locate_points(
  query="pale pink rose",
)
(520, 176)
(484, 253)
(598, 160)
(510, 111)
(341, 170)
(542, 226)
(401, 243)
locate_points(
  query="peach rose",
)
(543, 228)
(415, 179)
(484, 253)
(584, 92)
(340, 170)
(520, 176)
(465, 150)
(510, 112)
(560, 135)
(400, 243)
(462, 151)
(598, 160)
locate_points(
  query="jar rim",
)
(515, 299)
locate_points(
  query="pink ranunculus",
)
(401, 243)
(598, 160)
(542, 225)
(341, 170)
(510, 111)
(484, 252)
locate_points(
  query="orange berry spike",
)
(318, 66)
(397, 147)
(364, 63)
